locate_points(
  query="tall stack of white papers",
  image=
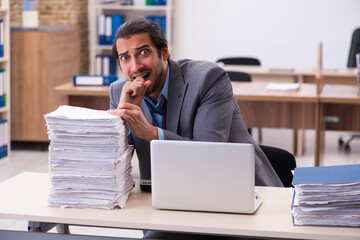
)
(327, 196)
(89, 159)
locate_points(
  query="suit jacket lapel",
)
(176, 93)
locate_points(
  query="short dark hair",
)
(140, 25)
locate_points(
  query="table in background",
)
(303, 75)
(279, 109)
(96, 97)
(24, 197)
(339, 109)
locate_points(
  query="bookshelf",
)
(5, 81)
(139, 9)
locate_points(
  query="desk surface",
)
(25, 197)
(70, 89)
(290, 72)
(257, 91)
(334, 93)
(242, 90)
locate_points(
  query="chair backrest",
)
(283, 163)
(354, 48)
(240, 61)
(239, 76)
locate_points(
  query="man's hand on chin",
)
(134, 91)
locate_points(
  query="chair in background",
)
(241, 76)
(354, 49)
(240, 61)
(283, 163)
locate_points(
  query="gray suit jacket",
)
(200, 107)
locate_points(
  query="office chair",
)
(354, 49)
(283, 163)
(239, 61)
(240, 76)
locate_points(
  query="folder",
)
(94, 80)
(3, 138)
(101, 29)
(2, 37)
(116, 21)
(108, 29)
(160, 20)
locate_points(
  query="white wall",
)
(281, 33)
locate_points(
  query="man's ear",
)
(165, 54)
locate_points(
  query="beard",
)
(157, 79)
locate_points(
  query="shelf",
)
(131, 8)
(4, 109)
(3, 59)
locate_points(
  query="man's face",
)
(138, 56)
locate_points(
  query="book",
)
(327, 196)
(94, 80)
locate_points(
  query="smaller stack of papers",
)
(328, 196)
(89, 159)
(283, 86)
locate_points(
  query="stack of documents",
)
(89, 159)
(327, 196)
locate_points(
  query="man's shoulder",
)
(194, 65)
(118, 84)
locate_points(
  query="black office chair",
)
(241, 76)
(239, 61)
(354, 49)
(283, 163)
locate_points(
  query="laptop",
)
(203, 176)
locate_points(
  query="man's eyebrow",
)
(137, 49)
(120, 54)
(142, 46)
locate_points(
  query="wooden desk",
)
(24, 197)
(304, 75)
(278, 109)
(96, 97)
(339, 110)
(294, 110)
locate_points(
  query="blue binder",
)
(94, 80)
(2, 37)
(101, 29)
(116, 22)
(160, 20)
(327, 174)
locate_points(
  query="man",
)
(184, 100)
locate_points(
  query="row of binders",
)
(89, 159)
(105, 65)
(3, 138)
(327, 196)
(108, 25)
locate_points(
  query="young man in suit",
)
(175, 100)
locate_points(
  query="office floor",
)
(32, 158)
